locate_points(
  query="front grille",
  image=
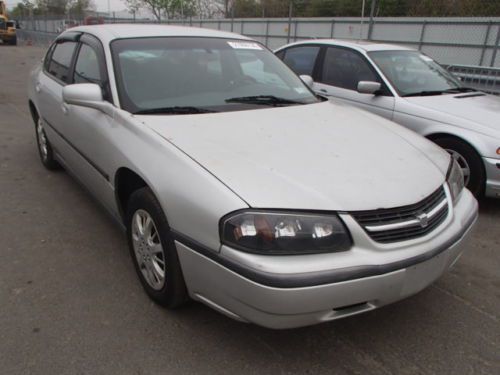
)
(404, 223)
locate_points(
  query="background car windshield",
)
(411, 72)
(200, 72)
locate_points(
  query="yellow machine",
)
(7, 27)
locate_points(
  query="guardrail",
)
(481, 78)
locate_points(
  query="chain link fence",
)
(451, 41)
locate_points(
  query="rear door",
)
(48, 90)
(338, 72)
(301, 59)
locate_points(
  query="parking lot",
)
(70, 302)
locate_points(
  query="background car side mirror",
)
(86, 95)
(307, 80)
(369, 87)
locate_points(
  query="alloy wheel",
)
(462, 162)
(148, 249)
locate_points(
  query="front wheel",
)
(470, 162)
(153, 250)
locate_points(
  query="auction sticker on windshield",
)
(244, 45)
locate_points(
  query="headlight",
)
(284, 232)
(455, 179)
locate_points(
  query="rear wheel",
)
(470, 162)
(153, 250)
(13, 41)
(44, 148)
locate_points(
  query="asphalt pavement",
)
(70, 302)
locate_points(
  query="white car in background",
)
(409, 88)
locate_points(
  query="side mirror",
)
(86, 95)
(307, 80)
(368, 87)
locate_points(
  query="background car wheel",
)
(470, 162)
(153, 251)
(44, 147)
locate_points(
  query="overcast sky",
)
(101, 5)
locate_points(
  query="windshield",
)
(412, 73)
(197, 75)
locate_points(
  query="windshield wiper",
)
(263, 99)
(173, 111)
(453, 90)
(424, 93)
(461, 89)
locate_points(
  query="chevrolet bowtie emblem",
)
(423, 220)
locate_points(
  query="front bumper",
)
(258, 292)
(492, 168)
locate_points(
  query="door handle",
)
(64, 108)
(323, 90)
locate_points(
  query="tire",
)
(469, 160)
(13, 42)
(44, 147)
(147, 256)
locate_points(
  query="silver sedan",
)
(236, 185)
(410, 88)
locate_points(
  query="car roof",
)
(109, 32)
(360, 45)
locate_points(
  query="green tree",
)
(22, 9)
(79, 8)
(164, 8)
(55, 7)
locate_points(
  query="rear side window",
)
(301, 59)
(87, 66)
(344, 68)
(61, 60)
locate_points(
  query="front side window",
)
(87, 66)
(412, 73)
(344, 68)
(61, 60)
(48, 55)
(211, 74)
(301, 59)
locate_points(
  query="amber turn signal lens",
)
(498, 151)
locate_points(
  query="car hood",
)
(321, 156)
(480, 109)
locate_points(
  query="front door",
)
(338, 75)
(88, 129)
